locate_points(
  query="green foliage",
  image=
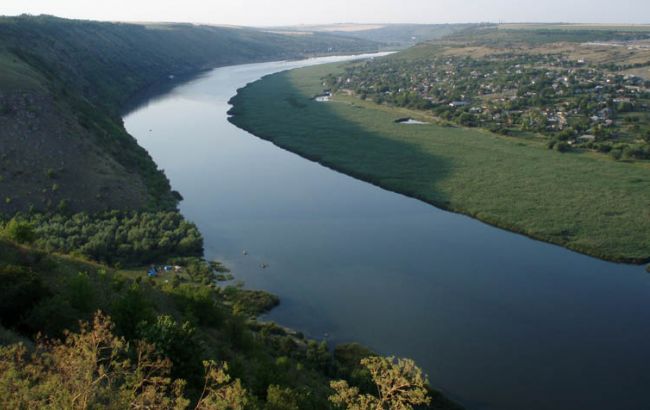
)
(348, 359)
(93, 369)
(20, 231)
(20, 290)
(562, 146)
(278, 398)
(318, 355)
(127, 238)
(178, 342)
(46, 294)
(251, 302)
(400, 386)
(52, 316)
(198, 304)
(130, 309)
(80, 293)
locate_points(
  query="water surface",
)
(497, 320)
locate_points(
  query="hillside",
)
(64, 83)
(185, 315)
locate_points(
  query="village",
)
(571, 101)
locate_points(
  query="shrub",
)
(96, 369)
(20, 291)
(81, 293)
(562, 146)
(178, 342)
(616, 153)
(19, 231)
(132, 308)
(198, 303)
(278, 398)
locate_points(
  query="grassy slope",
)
(64, 83)
(585, 202)
(227, 339)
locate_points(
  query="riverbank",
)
(582, 201)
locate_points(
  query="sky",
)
(294, 12)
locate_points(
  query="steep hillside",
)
(63, 84)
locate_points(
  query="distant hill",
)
(64, 83)
(391, 35)
(530, 35)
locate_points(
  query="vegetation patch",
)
(114, 237)
(158, 344)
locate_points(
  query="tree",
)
(219, 392)
(399, 382)
(88, 370)
(96, 369)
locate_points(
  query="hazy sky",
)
(284, 12)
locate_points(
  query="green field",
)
(583, 201)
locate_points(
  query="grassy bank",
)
(583, 201)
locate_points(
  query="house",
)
(586, 138)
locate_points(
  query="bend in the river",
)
(499, 321)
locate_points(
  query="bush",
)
(20, 291)
(96, 369)
(386, 373)
(81, 293)
(19, 231)
(179, 343)
(278, 398)
(198, 304)
(616, 153)
(562, 146)
(132, 308)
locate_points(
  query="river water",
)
(497, 320)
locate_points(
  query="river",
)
(497, 320)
